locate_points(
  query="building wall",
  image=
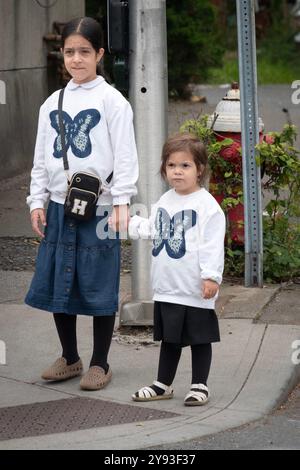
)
(23, 73)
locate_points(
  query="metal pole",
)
(250, 137)
(148, 94)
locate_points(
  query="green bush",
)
(194, 44)
(278, 44)
(281, 228)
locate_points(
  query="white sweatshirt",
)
(100, 140)
(188, 246)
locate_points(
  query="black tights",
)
(169, 358)
(103, 331)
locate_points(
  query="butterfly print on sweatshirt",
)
(77, 132)
(170, 232)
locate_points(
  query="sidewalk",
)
(252, 372)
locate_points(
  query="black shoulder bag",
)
(84, 189)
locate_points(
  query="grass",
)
(268, 72)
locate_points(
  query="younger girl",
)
(188, 227)
(77, 272)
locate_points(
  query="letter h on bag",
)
(79, 207)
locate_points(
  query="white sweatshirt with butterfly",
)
(99, 139)
(187, 232)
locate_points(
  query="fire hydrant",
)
(226, 123)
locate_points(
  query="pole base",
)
(137, 313)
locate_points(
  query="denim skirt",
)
(77, 272)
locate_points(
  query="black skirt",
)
(181, 324)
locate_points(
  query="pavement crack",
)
(36, 384)
(251, 368)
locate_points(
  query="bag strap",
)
(63, 136)
(62, 130)
(109, 178)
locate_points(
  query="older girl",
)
(76, 271)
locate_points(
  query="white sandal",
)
(148, 394)
(197, 396)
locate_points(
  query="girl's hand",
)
(119, 219)
(37, 217)
(209, 288)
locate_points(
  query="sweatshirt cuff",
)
(212, 277)
(121, 200)
(133, 228)
(36, 205)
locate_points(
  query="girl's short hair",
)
(87, 27)
(186, 142)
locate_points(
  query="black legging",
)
(169, 358)
(103, 331)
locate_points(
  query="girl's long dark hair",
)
(88, 28)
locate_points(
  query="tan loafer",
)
(61, 371)
(95, 378)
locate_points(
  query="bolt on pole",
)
(250, 138)
(148, 95)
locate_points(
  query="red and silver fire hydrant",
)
(226, 122)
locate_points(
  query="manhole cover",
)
(72, 414)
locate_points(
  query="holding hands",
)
(119, 219)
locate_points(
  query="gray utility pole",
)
(250, 137)
(148, 95)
